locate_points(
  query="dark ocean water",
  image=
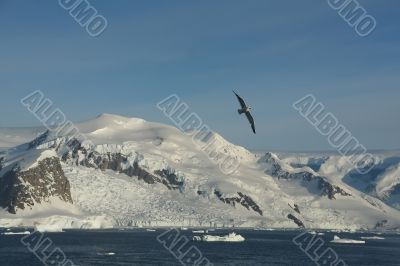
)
(138, 247)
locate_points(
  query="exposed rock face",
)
(330, 190)
(296, 220)
(380, 224)
(295, 208)
(120, 163)
(39, 140)
(21, 189)
(242, 199)
(170, 179)
(275, 168)
(326, 188)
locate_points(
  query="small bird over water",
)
(246, 110)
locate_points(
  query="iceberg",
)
(339, 240)
(316, 233)
(372, 237)
(16, 233)
(106, 254)
(199, 231)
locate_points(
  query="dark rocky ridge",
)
(295, 208)
(39, 140)
(380, 224)
(296, 220)
(119, 163)
(326, 188)
(242, 199)
(21, 189)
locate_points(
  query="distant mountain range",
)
(11, 137)
(136, 173)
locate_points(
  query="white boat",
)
(232, 237)
(198, 231)
(339, 240)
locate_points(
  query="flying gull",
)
(245, 109)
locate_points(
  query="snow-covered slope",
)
(132, 172)
(382, 182)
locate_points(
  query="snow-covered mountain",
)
(131, 172)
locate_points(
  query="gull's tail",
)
(240, 111)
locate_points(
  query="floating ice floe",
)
(232, 237)
(16, 233)
(106, 254)
(316, 233)
(372, 237)
(339, 240)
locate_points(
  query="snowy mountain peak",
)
(110, 122)
(110, 119)
(137, 172)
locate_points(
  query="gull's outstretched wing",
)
(241, 101)
(251, 120)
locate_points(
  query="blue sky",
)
(272, 52)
